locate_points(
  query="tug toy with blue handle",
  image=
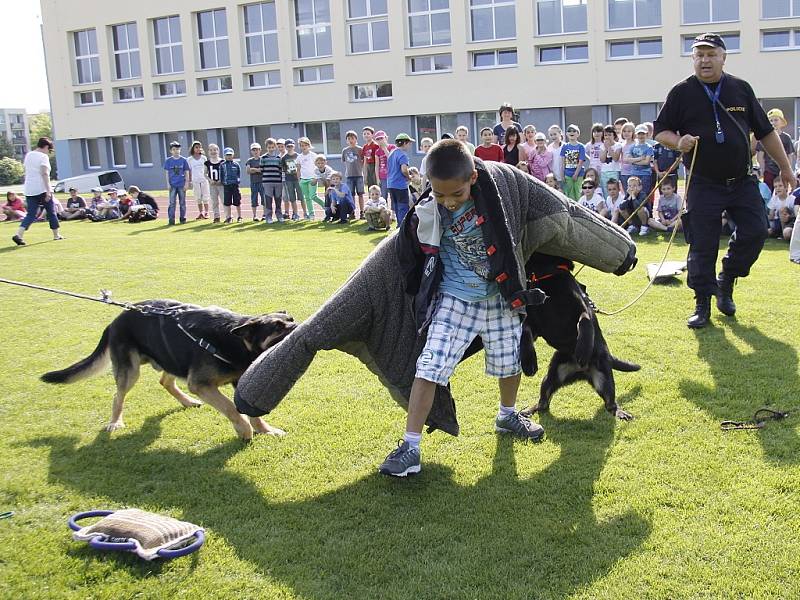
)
(146, 534)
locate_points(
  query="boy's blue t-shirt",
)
(396, 179)
(343, 187)
(638, 151)
(463, 254)
(572, 154)
(176, 167)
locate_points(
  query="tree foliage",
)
(6, 147)
(41, 125)
(11, 171)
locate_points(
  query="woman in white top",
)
(197, 177)
(556, 141)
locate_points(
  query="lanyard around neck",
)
(714, 98)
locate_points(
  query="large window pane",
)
(696, 11)
(620, 14)
(314, 134)
(648, 13)
(577, 52)
(649, 47)
(359, 37)
(507, 57)
(621, 49)
(777, 39)
(426, 127)
(483, 59)
(252, 18)
(380, 35)
(143, 149)
(440, 28)
(574, 15)
(551, 54)
(724, 10)
(505, 22)
(420, 34)
(357, 8)
(324, 41)
(548, 16)
(333, 138)
(771, 9)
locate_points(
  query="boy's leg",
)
(171, 207)
(306, 203)
(182, 202)
(451, 331)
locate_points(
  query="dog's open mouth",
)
(279, 336)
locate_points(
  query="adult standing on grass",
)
(38, 192)
(718, 111)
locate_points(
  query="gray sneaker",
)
(401, 461)
(520, 426)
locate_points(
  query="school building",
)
(126, 78)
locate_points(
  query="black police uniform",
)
(722, 179)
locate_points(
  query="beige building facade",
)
(127, 78)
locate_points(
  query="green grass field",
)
(666, 506)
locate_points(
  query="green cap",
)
(403, 137)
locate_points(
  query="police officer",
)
(718, 111)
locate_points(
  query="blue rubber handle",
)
(98, 544)
(199, 539)
(85, 515)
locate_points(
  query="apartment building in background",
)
(14, 126)
(125, 79)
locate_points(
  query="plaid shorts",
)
(456, 323)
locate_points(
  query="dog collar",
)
(534, 278)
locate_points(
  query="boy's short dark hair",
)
(489, 129)
(668, 182)
(368, 128)
(612, 181)
(44, 142)
(351, 133)
(449, 159)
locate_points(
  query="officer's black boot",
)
(725, 302)
(702, 313)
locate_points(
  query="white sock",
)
(504, 411)
(412, 438)
(20, 232)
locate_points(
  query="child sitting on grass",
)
(14, 209)
(781, 211)
(338, 200)
(669, 204)
(376, 210)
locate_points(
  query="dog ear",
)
(243, 329)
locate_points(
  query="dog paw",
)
(623, 415)
(534, 409)
(189, 403)
(115, 425)
(261, 427)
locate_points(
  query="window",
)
(144, 152)
(230, 138)
(260, 133)
(199, 135)
(170, 89)
(212, 33)
(313, 28)
(780, 39)
(215, 85)
(732, 42)
(129, 93)
(629, 14)
(624, 49)
(367, 33)
(433, 126)
(365, 92)
(126, 51)
(167, 138)
(321, 74)
(118, 151)
(92, 153)
(260, 33)
(780, 9)
(325, 137)
(710, 11)
(493, 59)
(262, 79)
(565, 53)
(580, 116)
(168, 46)
(486, 118)
(87, 58)
(492, 20)
(428, 22)
(90, 98)
(560, 16)
(432, 63)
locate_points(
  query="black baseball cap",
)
(711, 40)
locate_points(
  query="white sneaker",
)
(632, 229)
(644, 230)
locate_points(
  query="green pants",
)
(572, 187)
(309, 189)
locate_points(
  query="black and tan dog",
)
(567, 322)
(208, 347)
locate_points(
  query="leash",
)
(145, 309)
(755, 422)
(641, 294)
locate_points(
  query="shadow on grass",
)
(426, 537)
(747, 381)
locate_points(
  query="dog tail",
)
(622, 365)
(91, 365)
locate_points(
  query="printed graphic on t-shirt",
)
(291, 166)
(571, 158)
(213, 170)
(470, 247)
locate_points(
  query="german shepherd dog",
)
(208, 347)
(568, 323)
